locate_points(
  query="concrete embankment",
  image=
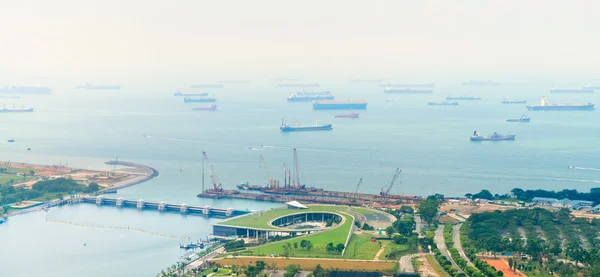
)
(149, 173)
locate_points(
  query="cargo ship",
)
(246, 186)
(504, 101)
(523, 118)
(207, 86)
(211, 107)
(299, 85)
(474, 82)
(450, 97)
(178, 93)
(357, 80)
(25, 90)
(9, 97)
(544, 106)
(285, 127)
(16, 110)
(350, 115)
(234, 82)
(339, 105)
(188, 99)
(571, 90)
(408, 85)
(588, 86)
(408, 90)
(88, 86)
(309, 96)
(442, 103)
(495, 136)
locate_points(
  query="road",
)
(200, 261)
(457, 244)
(439, 241)
(418, 225)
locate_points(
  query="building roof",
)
(544, 199)
(296, 204)
(577, 202)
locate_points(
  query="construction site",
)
(294, 189)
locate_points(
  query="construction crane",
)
(114, 167)
(385, 190)
(288, 176)
(213, 177)
(356, 190)
(297, 169)
(263, 165)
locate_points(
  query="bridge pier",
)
(184, 208)
(206, 210)
(119, 202)
(162, 206)
(229, 212)
(99, 200)
(140, 204)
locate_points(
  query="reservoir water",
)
(148, 125)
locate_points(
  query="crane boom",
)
(288, 175)
(263, 165)
(357, 186)
(297, 168)
(214, 179)
(386, 192)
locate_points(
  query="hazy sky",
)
(279, 37)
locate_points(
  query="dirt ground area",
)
(501, 264)
(466, 209)
(425, 269)
(450, 219)
(310, 263)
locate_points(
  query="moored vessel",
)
(505, 101)
(309, 96)
(523, 118)
(339, 105)
(544, 106)
(451, 97)
(285, 127)
(442, 103)
(211, 107)
(408, 90)
(349, 115)
(493, 137)
(407, 85)
(16, 110)
(188, 99)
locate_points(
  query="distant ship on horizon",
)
(310, 96)
(16, 110)
(474, 82)
(451, 97)
(408, 90)
(188, 99)
(544, 106)
(339, 105)
(211, 107)
(571, 90)
(178, 93)
(99, 87)
(407, 85)
(523, 119)
(285, 127)
(25, 90)
(442, 103)
(349, 115)
(505, 101)
(493, 137)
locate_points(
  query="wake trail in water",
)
(585, 168)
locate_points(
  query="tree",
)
(329, 222)
(260, 265)
(303, 243)
(319, 271)
(389, 231)
(400, 239)
(291, 271)
(31, 172)
(511, 262)
(469, 195)
(309, 245)
(407, 209)
(484, 194)
(94, 186)
(428, 209)
(295, 245)
(339, 247)
(60, 196)
(330, 247)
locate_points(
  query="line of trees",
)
(528, 195)
(10, 194)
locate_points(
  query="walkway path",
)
(458, 245)
(439, 241)
(379, 253)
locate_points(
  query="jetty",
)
(161, 206)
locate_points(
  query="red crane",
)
(297, 168)
(213, 177)
(385, 190)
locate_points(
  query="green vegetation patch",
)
(262, 219)
(7, 178)
(362, 248)
(318, 240)
(436, 267)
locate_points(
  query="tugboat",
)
(523, 118)
(495, 136)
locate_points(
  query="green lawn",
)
(262, 219)
(391, 247)
(319, 241)
(5, 178)
(361, 248)
(365, 211)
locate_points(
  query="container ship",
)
(408, 90)
(16, 110)
(178, 93)
(207, 86)
(474, 82)
(339, 105)
(408, 85)
(495, 136)
(89, 86)
(285, 127)
(25, 90)
(450, 97)
(504, 101)
(299, 85)
(357, 80)
(544, 106)
(211, 107)
(309, 96)
(188, 99)
(349, 115)
(571, 90)
(523, 118)
(234, 82)
(442, 103)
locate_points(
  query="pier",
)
(162, 206)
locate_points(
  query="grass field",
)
(309, 264)
(319, 241)
(436, 267)
(5, 178)
(392, 247)
(361, 248)
(262, 219)
(364, 211)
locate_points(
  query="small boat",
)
(11, 140)
(523, 118)
(28, 149)
(350, 115)
(211, 107)
(571, 166)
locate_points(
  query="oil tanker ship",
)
(285, 127)
(178, 93)
(474, 82)
(25, 90)
(505, 101)
(408, 90)
(309, 96)
(544, 106)
(188, 99)
(442, 103)
(211, 107)
(16, 110)
(571, 90)
(495, 136)
(339, 105)
(408, 85)
(207, 86)
(89, 86)
(299, 85)
(450, 97)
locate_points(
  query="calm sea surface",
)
(150, 126)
